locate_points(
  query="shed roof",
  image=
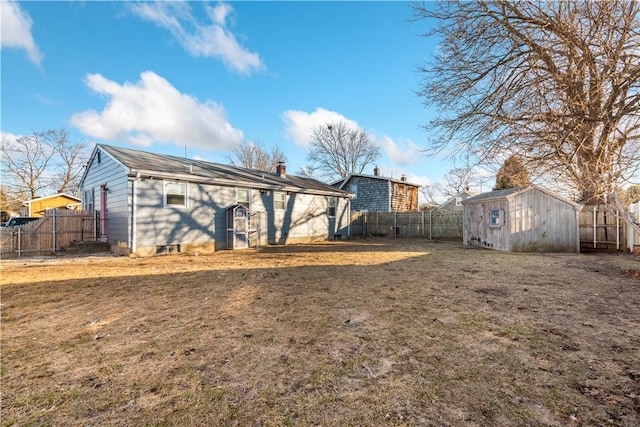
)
(509, 193)
(141, 163)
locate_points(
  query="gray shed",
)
(524, 219)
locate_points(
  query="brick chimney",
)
(281, 170)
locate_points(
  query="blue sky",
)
(158, 76)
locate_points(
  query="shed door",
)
(241, 229)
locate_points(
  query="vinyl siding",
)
(114, 175)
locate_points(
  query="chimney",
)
(281, 170)
(376, 171)
(403, 178)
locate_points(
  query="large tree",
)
(338, 150)
(512, 174)
(41, 163)
(253, 155)
(555, 83)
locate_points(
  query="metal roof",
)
(172, 167)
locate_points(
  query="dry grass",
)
(363, 332)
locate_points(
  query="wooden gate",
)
(602, 230)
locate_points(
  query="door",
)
(103, 209)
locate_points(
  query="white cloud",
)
(153, 110)
(299, 125)
(403, 154)
(209, 39)
(8, 138)
(16, 30)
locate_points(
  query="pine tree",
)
(512, 174)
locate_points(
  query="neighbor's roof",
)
(509, 193)
(172, 167)
(68, 196)
(341, 183)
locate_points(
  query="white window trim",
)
(284, 201)
(249, 201)
(335, 206)
(164, 194)
(499, 219)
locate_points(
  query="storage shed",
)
(524, 219)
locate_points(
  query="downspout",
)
(349, 217)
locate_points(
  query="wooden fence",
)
(48, 235)
(605, 230)
(433, 225)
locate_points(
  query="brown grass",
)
(363, 332)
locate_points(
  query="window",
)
(175, 194)
(459, 201)
(331, 209)
(406, 190)
(243, 197)
(353, 189)
(496, 218)
(279, 200)
(395, 189)
(88, 203)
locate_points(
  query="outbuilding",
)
(524, 219)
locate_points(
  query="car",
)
(20, 220)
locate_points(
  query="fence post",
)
(617, 230)
(53, 249)
(595, 227)
(19, 241)
(430, 225)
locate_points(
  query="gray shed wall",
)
(533, 221)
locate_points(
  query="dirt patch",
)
(360, 332)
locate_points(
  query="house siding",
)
(373, 194)
(404, 197)
(138, 222)
(112, 174)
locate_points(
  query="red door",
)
(103, 209)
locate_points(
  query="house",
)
(39, 206)
(152, 203)
(376, 193)
(454, 204)
(524, 219)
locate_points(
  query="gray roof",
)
(342, 182)
(497, 194)
(508, 193)
(173, 167)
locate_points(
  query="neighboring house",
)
(152, 203)
(524, 219)
(376, 193)
(39, 206)
(455, 203)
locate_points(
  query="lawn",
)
(352, 333)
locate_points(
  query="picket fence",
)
(50, 234)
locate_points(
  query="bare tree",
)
(42, 162)
(338, 151)
(556, 83)
(456, 181)
(253, 155)
(512, 174)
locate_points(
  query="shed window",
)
(175, 194)
(459, 201)
(497, 218)
(353, 189)
(331, 206)
(279, 200)
(243, 197)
